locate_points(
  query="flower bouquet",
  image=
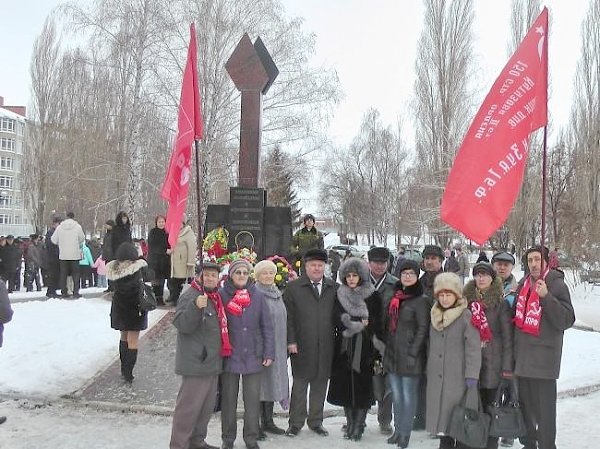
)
(215, 243)
(285, 272)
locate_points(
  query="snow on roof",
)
(5, 113)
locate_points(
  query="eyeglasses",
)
(241, 273)
(408, 274)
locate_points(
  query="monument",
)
(250, 222)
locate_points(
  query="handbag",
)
(506, 415)
(468, 425)
(147, 298)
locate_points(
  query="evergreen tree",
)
(278, 180)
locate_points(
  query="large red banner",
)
(189, 127)
(487, 173)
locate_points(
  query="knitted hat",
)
(409, 264)
(378, 254)
(316, 254)
(262, 266)
(503, 256)
(449, 282)
(433, 250)
(484, 267)
(239, 263)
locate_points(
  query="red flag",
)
(189, 127)
(488, 170)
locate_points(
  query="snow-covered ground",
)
(54, 347)
(34, 425)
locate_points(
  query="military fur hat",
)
(354, 265)
(378, 254)
(448, 282)
(316, 254)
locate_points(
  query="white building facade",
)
(14, 219)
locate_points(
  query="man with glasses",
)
(384, 284)
(309, 301)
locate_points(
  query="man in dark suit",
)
(309, 301)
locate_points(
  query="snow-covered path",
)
(33, 426)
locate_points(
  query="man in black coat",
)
(309, 301)
(12, 263)
(543, 311)
(53, 263)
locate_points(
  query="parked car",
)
(356, 250)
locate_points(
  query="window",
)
(5, 202)
(5, 219)
(7, 163)
(6, 182)
(17, 219)
(7, 144)
(7, 125)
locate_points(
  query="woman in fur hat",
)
(125, 273)
(407, 330)
(492, 317)
(357, 317)
(454, 357)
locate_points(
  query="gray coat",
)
(386, 290)
(251, 333)
(198, 350)
(275, 382)
(454, 355)
(310, 326)
(6, 311)
(539, 357)
(497, 354)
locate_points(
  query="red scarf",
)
(214, 296)
(239, 302)
(394, 308)
(479, 321)
(528, 312)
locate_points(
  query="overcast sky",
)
(370, 43)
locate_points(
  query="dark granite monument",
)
(251, 224)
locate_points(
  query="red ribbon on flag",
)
(487, 173)
(189, 127)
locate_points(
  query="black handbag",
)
(506, 413)
(147, 298)
(468, 425)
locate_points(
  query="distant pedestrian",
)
(69, 236)
(52, 260)
(12, 258)
(308, 237)
(482, 257)
(159, 259)
(463, 263)
(33, 262)
(183, 261)
(121, 232)
(85, 265)
(125, 272)
(100, 267)
(335, 260)
(451, 265)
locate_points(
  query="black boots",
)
(359, 423)
(447, 443)
(158, 291)
(122, 355)
(266, 420)
(349, 427)
(403, 441)
(128, 359)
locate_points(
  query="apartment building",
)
(14, 219)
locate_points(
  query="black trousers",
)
(538, 399)
(175, 286)
(316, 401)
(69, 267)
(53, 277)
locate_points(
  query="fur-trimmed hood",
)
(493, 295)
(354, 265)
(119, 269)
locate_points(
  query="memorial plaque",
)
(216, 215)
(246, 218)
(278, 231)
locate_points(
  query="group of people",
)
(414, 345)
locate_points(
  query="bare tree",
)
(443, 99)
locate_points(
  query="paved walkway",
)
(155, 384)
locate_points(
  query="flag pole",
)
(544, 189)
(199, 203)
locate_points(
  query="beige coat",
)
(454, 355)
(183, 257)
